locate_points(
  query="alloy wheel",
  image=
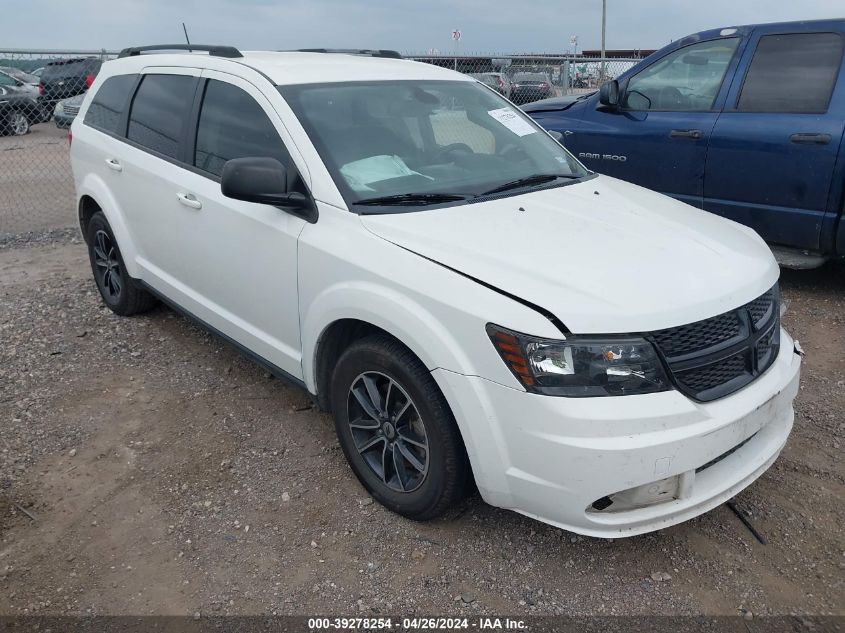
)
(388, 431)
(107, 266)
(18, 123)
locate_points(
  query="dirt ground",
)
(148, 468)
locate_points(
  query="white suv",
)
(469, 301)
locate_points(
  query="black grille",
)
(715, 357)
(686, 339)
(707, 376)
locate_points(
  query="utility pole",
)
(603, 30)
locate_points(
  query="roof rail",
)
(355, 51)
(215, 50)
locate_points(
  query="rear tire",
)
(119, 291)
(397, 430)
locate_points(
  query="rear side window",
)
(159, 112)
(107, 107)
(233, 125)
(793, 72)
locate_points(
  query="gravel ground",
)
(147, 468)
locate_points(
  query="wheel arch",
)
(92, 196)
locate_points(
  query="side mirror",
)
(609, 94)
(263, 180)
(558, 136)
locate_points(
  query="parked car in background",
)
(66, 111)
(19, 111)
(472, 304)
(528, 87)
(37, 72)
(745, 122)
(66, 78)
(19, 79)
(499, 82)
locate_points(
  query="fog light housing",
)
(639, 497)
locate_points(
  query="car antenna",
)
(184, 28)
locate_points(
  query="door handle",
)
(114, 164)
(810, 139)
(189, 200)
(695, 134)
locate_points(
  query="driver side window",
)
(687, 79)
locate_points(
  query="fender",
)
(395, 313)
(93, 186)
(424, 334)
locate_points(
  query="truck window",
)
(687, 79)
(160, 111)
(793, 72)
(233, 125)
(107, 107)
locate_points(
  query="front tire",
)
(397, 430)
(119, 291)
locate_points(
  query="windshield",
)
(418, 143)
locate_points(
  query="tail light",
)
(40, 89)
(501, 83)
(544, 85)
(89, 79)
(69, 137)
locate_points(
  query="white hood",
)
(603, 255)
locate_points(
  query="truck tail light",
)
(89, 79)
(69, 138)
(40, 89)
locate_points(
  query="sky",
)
(504, 26)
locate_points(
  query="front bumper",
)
(552, 458)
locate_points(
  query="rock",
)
(748, 615)
(417, 554)
(72, 452)
(468, 597)
(659, 576)
(285, 497)
(313, 543)
(366, 502)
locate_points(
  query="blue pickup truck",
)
(746, 122)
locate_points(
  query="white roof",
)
(300, 68)
(295, 67)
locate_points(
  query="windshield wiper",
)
(536, 179)
(413, 199)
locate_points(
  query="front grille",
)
(715, 357)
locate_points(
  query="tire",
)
(119, 291)
(17, 123)
(382, 363)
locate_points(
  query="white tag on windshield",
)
(512, 121)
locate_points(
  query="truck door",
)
(658, 138)
(773, 150)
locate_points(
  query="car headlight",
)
(581, 366)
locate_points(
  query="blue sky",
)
(419, 25)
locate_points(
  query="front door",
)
(240, 257)
(658, 138)
(773, 151)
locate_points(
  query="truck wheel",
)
(120, 292)
(396, 429)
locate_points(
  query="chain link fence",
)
(41, 91)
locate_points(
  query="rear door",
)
(658, 139)
(150, 167)
(773, 150)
